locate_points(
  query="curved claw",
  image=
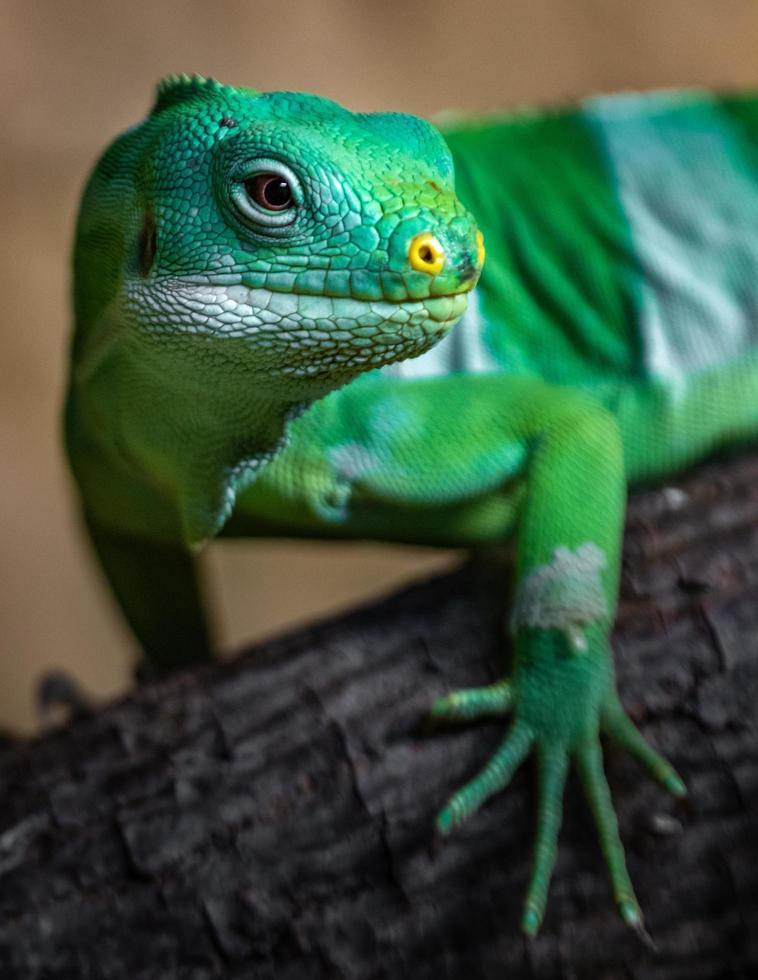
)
(619, 727)
(494, 700)
(494, 776)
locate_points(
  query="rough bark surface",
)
(271, 817)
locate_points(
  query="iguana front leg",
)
(562, 693)
(435, 458)
(135, 533)
(158, 587)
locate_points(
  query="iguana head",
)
(291, 236)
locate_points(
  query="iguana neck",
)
(200, 432)
(228, 456)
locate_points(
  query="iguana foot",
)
(543, 733)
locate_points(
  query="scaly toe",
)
(492, 701)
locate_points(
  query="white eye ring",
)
(257, 213)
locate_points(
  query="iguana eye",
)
(270, 191)
(267, 194)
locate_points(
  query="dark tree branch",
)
(271, 817)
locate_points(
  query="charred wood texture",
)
(272, 817)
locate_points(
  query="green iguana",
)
(250, 272)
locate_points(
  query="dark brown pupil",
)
(269, 191)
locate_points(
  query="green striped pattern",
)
(684, 171)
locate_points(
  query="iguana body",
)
(613, 337)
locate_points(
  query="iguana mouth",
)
(239, 310)
(280, 289)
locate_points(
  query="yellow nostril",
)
(426, 254)
(480, 253)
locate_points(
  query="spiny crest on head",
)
(175, 89)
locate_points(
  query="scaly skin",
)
(214, 384)
(205, 321)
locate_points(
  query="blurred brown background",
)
(76, 72)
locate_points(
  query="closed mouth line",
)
(327, 294)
